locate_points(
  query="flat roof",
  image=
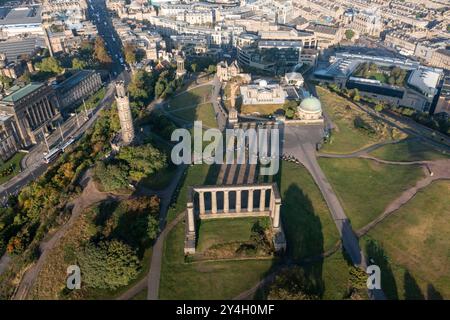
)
(22, 92)
(21, 15)
(75, 79)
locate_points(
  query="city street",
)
(33, 165)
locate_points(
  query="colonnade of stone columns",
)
(253, 209)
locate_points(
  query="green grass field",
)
(263, 109)
(205, 280)
(307, 223)
(159, 180)
(190, 98)
(194, 105)
(195, 175)
(415, 240)
(408, 150)
(366, 187)
(346, 138)
(202, 112)
(15, 162)
(220, 231)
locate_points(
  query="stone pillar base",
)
(279, 240)
(189, 239)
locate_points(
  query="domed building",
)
(310, 109)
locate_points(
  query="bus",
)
(52, 155)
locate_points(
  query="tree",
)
(160, 87)
(142, 160)
(108, 265)
(50, 65)
(292, 284)
(100, 52)
(194, 67)
(349, 34)
(6, 81)
(141, 87)
(152, 227)
(79, 64)
(130, 53)
(379, 107)
(111, 176)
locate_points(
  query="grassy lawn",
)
(415, 240)
(205, 280)
(307, 223)
(15, 163)
(202, 112)
(196, 174)
(220, 231)
(346, 138)
(192, 97)
(263, 109)
(194, 105)
(366, 187)
(408, 150)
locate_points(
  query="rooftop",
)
(21, 15)
(22, 92)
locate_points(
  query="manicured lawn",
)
(416, 241)
(307, 223)
(202, 112)
(220, 231)
(194, 105)
(366, 187)
(195, 175)
(205, 280)
(263, 109)
(15, 163)
(191, 98)
(346, 138)
(408, 150)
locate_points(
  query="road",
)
(33, 165)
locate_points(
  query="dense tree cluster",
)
(131, 164)
(100, 52)
(293, 284)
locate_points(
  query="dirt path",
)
(440, 170)
(89, 197)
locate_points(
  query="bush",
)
(108, 265)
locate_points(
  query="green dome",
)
(311, 104)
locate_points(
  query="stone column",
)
(238, 201)
(226, 204)
(262, 200)
(35, 117)
(272, 203)
(213, 202)
(190, 220)
(250, 200)
(276, 215)
(201, 200)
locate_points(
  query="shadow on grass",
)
(376, 253)
(412, 289)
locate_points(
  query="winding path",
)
(89, 196)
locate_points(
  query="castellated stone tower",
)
(123, 108)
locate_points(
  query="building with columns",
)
(34, 109)
(232, 201)
(79, 86)
(125, 117)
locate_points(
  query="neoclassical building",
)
(34, 109)
(262, 92)
(78, 87)
(310, 109)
